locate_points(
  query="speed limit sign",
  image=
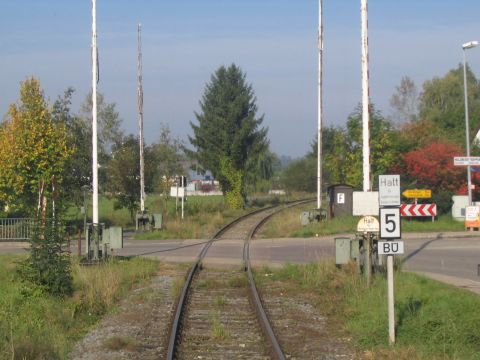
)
(390, 223)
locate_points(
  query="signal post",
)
(390, 230)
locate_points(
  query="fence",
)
(15, 229)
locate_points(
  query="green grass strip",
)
(433, 320)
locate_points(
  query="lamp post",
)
(465, 47)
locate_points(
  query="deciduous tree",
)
(78, 169)
(405, 101)
(300, 175)
(442, 103)
(124, 174)
(432, 166)
(33, 151)
(109, 131)
(166, 160)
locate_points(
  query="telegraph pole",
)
(140, 121)
(365, 99)
(320, 109)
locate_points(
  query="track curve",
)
(243, 227)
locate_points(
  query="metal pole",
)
(368, 258)
(79, 242)
(85, 212)
(140, 121)
(183, 197)
(391, 308)
(320, 108)
(94, 115)
(365, 98)
(176, 199)
(467, 130)
(95, 233)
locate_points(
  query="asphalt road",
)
(449, 257)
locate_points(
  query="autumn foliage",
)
(33, 150)
(432, 166)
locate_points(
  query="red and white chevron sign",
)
(418, 209)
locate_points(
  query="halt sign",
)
(389, 190)
(368, 224)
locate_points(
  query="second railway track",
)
(219, 314)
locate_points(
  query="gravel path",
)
(137, 329)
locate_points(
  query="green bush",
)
(48, 265)
(444, 202)
(300, 175)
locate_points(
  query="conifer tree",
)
(229, 135)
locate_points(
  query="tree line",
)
(228, 140)
(49, 144)
(47, 148)
(418, 141)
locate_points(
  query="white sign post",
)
(390, 228)
(391, 301)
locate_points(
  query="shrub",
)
(48, 265)
(444, 201)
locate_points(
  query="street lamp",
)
(465, 47)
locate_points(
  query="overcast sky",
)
(273, 41)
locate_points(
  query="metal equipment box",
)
(157, 221)
(113, 236)
(342, 250)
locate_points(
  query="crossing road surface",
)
(450, 257)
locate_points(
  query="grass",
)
(433, 320)
(218, 331)
(208, 283)
(200, 226)
(287, 224)
(220, 300)
(437, 320)
(203, 216)
(177, 286)
(238, 281)
(34, 325)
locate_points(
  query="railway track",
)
(219, 314)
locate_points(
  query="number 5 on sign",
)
(390, 223)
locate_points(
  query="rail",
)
(262, 317)
(171, 350)
(179, 311)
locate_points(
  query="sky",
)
(273, 41)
